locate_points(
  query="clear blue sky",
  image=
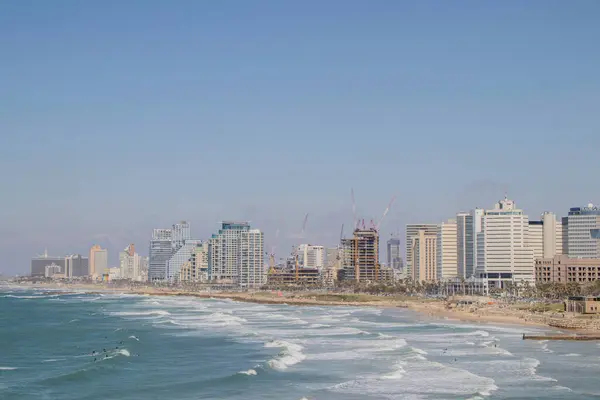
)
(120, 116)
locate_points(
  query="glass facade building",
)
(159, 254)
(582, 227)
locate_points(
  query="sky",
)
(117, 117)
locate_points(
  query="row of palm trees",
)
(522, 289)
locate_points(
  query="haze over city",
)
(117, 118)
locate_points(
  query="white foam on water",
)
(419, 377)
(515, 370)
(8, 368)
(419, 351)
(29, 297)
(160, 313)
(290, 354)
(558, 387)
(545, 348)
(249, 372)
(134, 337)
(572, 355)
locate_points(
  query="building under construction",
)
(360, 257)
(285, 276)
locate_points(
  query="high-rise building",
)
(394, 258)
(503, 245)
(160, 252)
(446, 252)
(311, 256)
(360, 257)
(183, 254)
(76, 266)
(412, 230)
(39, 263)
(565, 235)
(143, 269)
(583, 224)
(423, 256)
(535, 238)
(236, 255)
(478, 237)
(545, 236)
(98, 261)
(169, 250)
(129, 264)
(464, 245)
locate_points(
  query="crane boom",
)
(385, 213)
(355, 222)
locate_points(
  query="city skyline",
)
(91, 132)
(180, 232)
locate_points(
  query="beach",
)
(478, 308)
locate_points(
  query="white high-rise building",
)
(311, 256)
(129, 264)
(535, 238)
(412, 230)
(237, 255)
(252, 269)
(446, 252)
(545, 236)
(503, 246)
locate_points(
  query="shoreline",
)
(479, 312)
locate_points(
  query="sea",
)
(125, 347)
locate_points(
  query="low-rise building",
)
(565, 269)
(583, 305)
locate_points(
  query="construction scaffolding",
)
(360, 257)
(284, 276)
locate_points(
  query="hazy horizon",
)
(118, 118)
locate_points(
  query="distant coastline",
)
(479, 310)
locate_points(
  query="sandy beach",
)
(478, 309)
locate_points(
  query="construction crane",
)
(385, 213)
(296, 250)
(354, 220)
(271, 255)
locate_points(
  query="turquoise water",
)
(187, 348)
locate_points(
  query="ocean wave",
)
(249, 372)
(160, 313)
(8, 368)
(417, 379)
(290, 354)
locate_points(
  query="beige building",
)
(423, 256)
(412, 230)
(583, 305)
(98, 261)
(563, 269)
(446, 252)
(196, 268)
